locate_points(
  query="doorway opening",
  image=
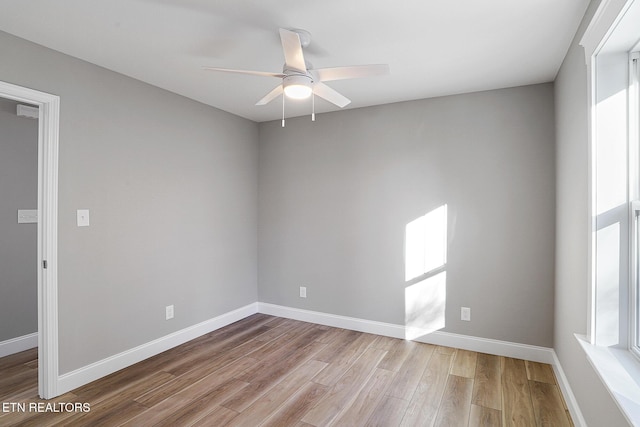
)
(47, 230)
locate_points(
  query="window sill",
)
(619, 370)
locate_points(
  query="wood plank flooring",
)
(269, 371)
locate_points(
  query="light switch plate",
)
(27, 216)
(83, 217)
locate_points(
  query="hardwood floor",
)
(270, 371)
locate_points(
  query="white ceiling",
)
(433, 47)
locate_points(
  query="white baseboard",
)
(482, 345)
(94, 371)
(16, 345)
(336, 321)
(569, 397)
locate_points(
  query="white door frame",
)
(48, 128)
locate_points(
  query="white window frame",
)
(634, 172)
(634, 342)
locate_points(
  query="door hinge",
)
(44, 263)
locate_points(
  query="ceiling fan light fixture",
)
(297, 86)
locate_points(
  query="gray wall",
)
(572, 216)
(335, 197)
(18, 245)
(172, 192)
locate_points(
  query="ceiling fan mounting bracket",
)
(304, 35)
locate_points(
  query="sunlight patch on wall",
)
(426, 243)
(425, 303)
(425, 260)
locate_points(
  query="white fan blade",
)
(352, 72)
(253, 73)
(324, 91)
(293, 56)
(271, 95)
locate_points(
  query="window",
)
(613, 342)
(615, 151)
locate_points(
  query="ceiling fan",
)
(300, 80)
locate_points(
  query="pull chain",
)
(283, 110)
(313, 107)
